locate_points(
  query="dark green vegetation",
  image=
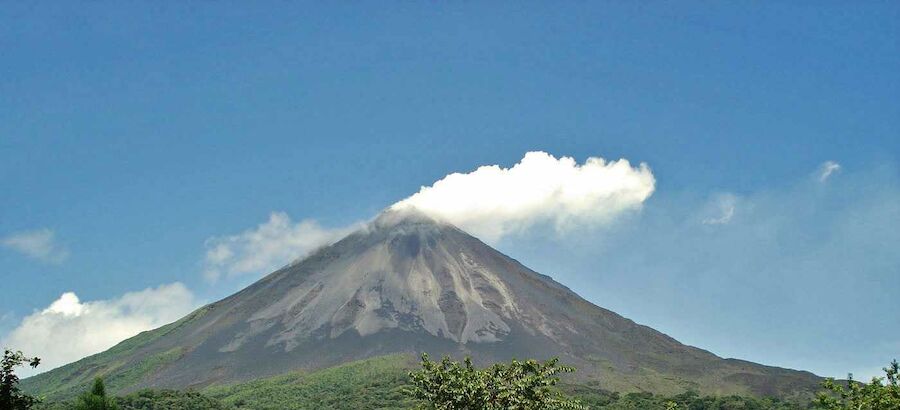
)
(169, 400)
(151, 400)
(377, 383)
(11, 398)
(449, 385)
(880, 393)
(689, 400)
(383, 383)
(96, 398)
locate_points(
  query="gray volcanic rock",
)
(409, 283)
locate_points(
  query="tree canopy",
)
(10, 396)
(451, 385)
(96, 399)
(882, 393)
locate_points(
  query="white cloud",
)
(826, 169)
(70, 329)
(269, 246)
(724, 206)
(790, 249)
(39, 244)
(491, 202)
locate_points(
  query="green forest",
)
(387, 382)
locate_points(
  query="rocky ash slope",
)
(408, 283)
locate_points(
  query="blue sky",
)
(132, 136)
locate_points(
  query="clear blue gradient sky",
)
(135, 132)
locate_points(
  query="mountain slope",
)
(408, 284)
(375, 383)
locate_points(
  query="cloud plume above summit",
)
(491, 201)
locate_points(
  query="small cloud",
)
(38, 244)
(724, 206)
(826, 169)
(269, 246)
(491, 201)
(69, 329)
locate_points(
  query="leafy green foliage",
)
(344, 399)
(96, 398)
(450, 385)
(151, 400)
(883, 393)
(169, 400)
(599, 399)
(383, 383)
(10, 396)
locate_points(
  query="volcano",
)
(407, 283)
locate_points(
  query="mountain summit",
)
(408, 283)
